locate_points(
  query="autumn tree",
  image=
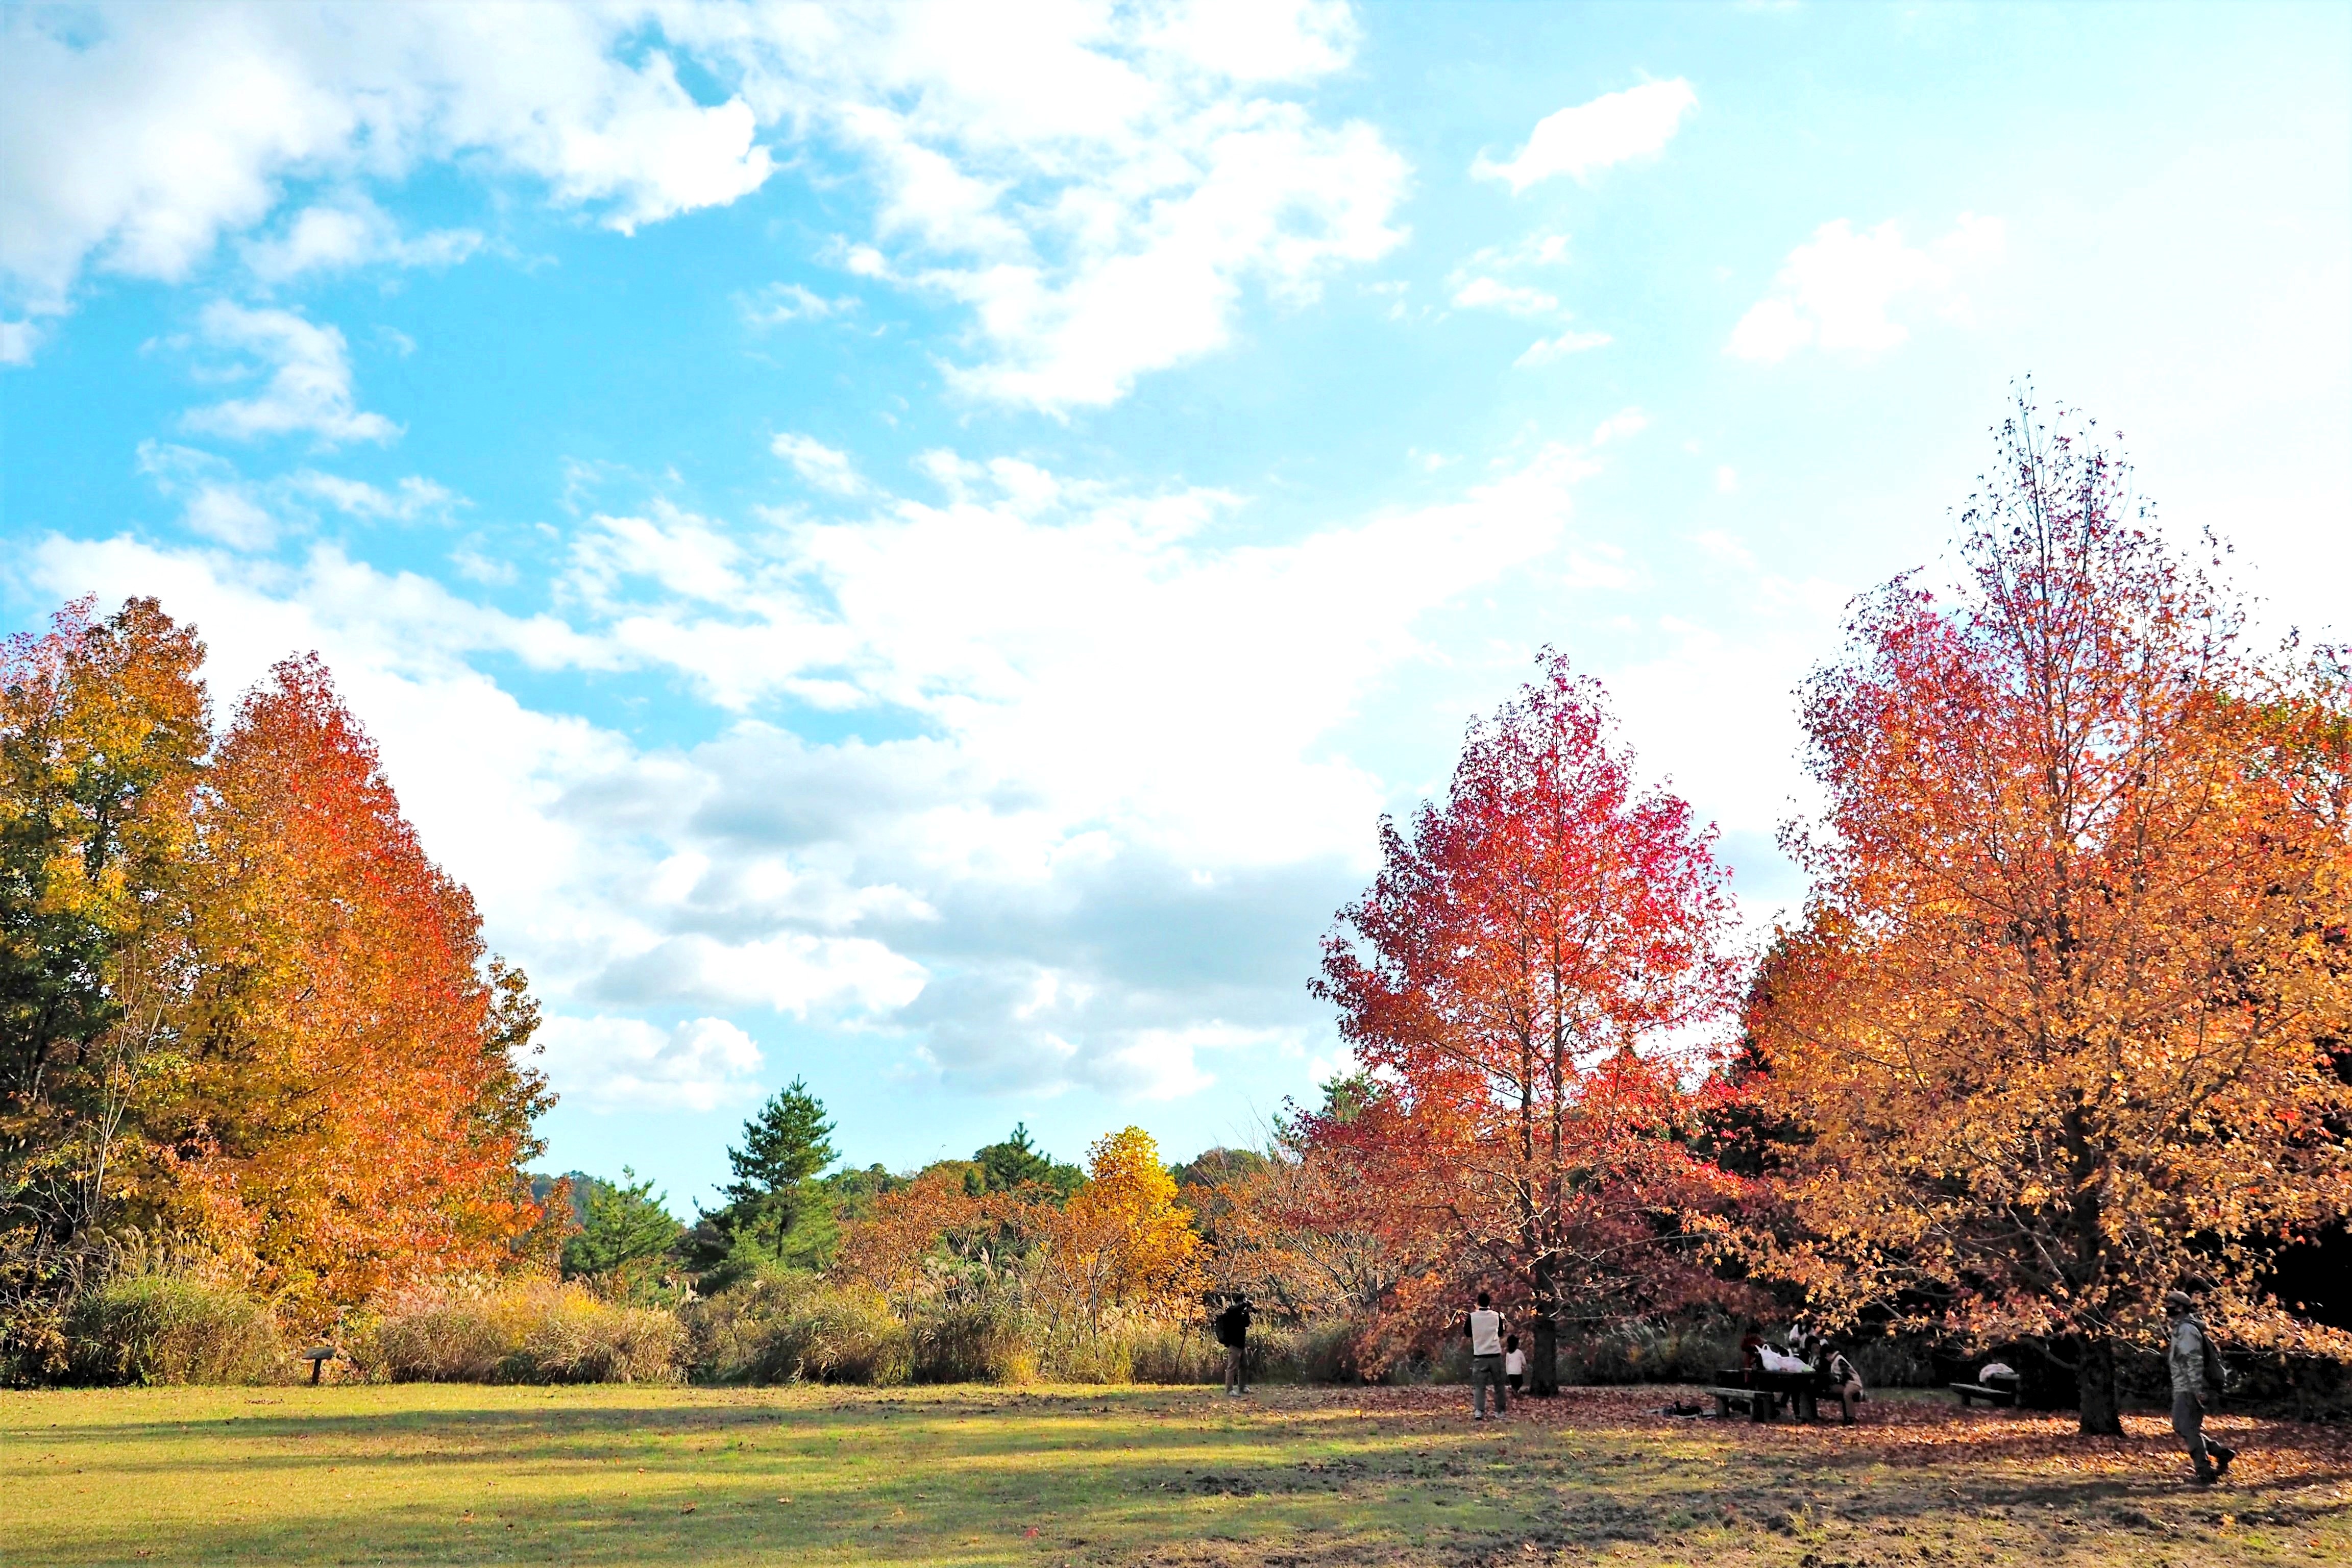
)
(943, 1236)
(354, 1095)
(2054, 1036)
(1526, 941)
(104, 726)
(1122, 1241)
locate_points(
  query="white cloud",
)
(1580, 142)
(1836, 290)
(309, 384)
(1534, 250)
(222, 504)
(1486, 293)
(1099, 185)
(627, 1064)
(823, 468)
(779, 303)
(349, 233)
(1623, 425)
(17, 342)
(1544, 351)
(1084, 862)
(135, 136)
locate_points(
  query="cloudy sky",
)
(912, 547)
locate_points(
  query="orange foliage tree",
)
(939, 1234)
(1121, 1242)
(356, 1098)
(1533, 928)
(2054, 1034)
(1295, 1233)
(242, 1014)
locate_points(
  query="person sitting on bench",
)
(1848, 1383)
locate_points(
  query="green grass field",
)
(706, 1476)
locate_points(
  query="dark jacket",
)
(1233, 1325)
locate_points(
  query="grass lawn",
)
(1160, 1476)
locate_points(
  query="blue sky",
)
(911, 547)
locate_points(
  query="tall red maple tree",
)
(1516, 982)
(357, 1095)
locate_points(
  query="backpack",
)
(2217, 1375)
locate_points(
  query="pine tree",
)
(1006, 1165)
(788, 1142)
(626, 1224)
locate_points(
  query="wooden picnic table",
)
(1764, 1394)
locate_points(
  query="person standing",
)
(1485, 1329)
(1515, 1365)
(2198, 1376)
(1233, 1332)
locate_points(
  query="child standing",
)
(1515, 1365)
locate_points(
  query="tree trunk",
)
(2101, 1406)
(1543, 1367)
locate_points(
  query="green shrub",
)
(167, 1328)
(784, 1326)
(529, 1332)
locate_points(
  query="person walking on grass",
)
(1484, 1330)
(1233, 1332)
(2199, 1380)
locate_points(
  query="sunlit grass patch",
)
(1164, 1476)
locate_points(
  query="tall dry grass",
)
(533, 1330)
(147, 1327)
(784, 1327)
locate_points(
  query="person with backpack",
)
(1484, 1327)
(2199, 1380)
(1233, 1327)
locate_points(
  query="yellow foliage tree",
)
(1122, 1242)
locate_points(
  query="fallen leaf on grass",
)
(690, 1507)
(1030, 1533)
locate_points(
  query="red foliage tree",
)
(357, 1098)
(1522, 941)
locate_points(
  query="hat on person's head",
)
(2180, 1301)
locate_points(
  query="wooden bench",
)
(1762, 1403)
(1970, 1393)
